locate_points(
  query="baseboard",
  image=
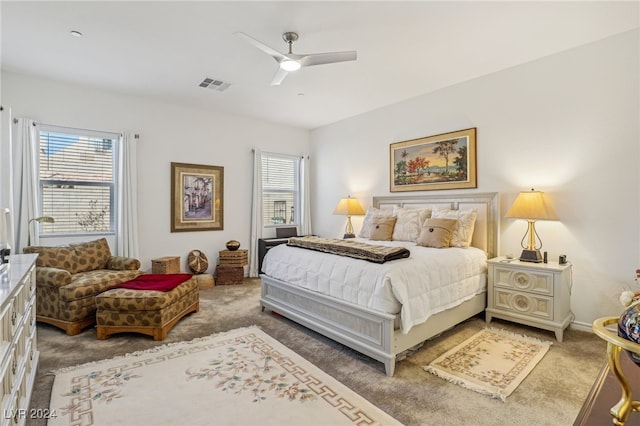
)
(582, 326)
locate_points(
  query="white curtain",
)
(305, 198)
(256, 213)
(127, 238)
(25, 181)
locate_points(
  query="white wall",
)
(168, 133)
(567, 124)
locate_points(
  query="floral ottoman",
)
(151, 304)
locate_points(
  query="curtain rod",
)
(77, 128)
(136, 135)
(253, 150)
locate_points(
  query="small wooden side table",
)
(615, 344)
(231, 267)
(605, 393)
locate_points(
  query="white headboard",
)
(485, 233)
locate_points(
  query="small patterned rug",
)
(241, 377)
(492, 362)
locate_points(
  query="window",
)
(77, 180)
(280, 189)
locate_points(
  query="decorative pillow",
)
(382, 228)
(437, 233)
(372, 212)
(425, 214)
(463, 233)
(407, 227)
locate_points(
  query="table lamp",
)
(41, 219)
(349, 207)
(531, 205)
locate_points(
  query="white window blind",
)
(280, 189)
(77, 180)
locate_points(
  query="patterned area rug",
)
(492, 362)
(242, 377)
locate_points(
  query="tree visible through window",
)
(77, 180)
(280, 189)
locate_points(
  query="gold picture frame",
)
(445, 161)
(197, 197)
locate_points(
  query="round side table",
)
(615, 345)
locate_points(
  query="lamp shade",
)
(349, 207)
(532, 205)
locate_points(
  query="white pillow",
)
(409, 223)
(365, 231)
(463, 233)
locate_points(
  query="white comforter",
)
(429, 281)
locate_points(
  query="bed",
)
(380, 328)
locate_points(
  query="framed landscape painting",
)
(446, 161)
(197, 201)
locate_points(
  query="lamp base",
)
(531, 256)
(349, 236)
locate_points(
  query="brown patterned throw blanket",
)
(350, 248)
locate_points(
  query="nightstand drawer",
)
(522, 280)
(523, 303)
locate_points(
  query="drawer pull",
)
(14, 316)
(521, 280)
(521, 303)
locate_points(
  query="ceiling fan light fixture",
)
(289, 65)
(290, 62)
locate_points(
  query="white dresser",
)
(18, 351)
(535, 294)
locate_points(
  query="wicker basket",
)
(234, 258)
(166, 265)
(229, 275)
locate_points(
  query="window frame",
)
(113, 184)
(296, 192)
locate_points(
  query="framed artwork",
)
(197, 199)
(446, 161)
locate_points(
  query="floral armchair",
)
(68, 278)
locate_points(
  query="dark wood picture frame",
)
(197, 197)
(445, 161)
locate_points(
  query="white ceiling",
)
(163, 50)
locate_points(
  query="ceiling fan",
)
(289, 62)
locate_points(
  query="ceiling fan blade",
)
(327, 58)
(266, 49)
(280, 75)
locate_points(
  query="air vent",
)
(213, 84)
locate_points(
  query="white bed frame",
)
(374, 333)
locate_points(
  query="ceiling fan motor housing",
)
(290, 37)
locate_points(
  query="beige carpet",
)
(248, 378)
(492, 362)
(551, 395)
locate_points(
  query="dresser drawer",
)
(529, 304)
(18, 351)
(523, 280)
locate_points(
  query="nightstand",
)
(264, 245)
(535, 294)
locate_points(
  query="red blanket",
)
(158, 282)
